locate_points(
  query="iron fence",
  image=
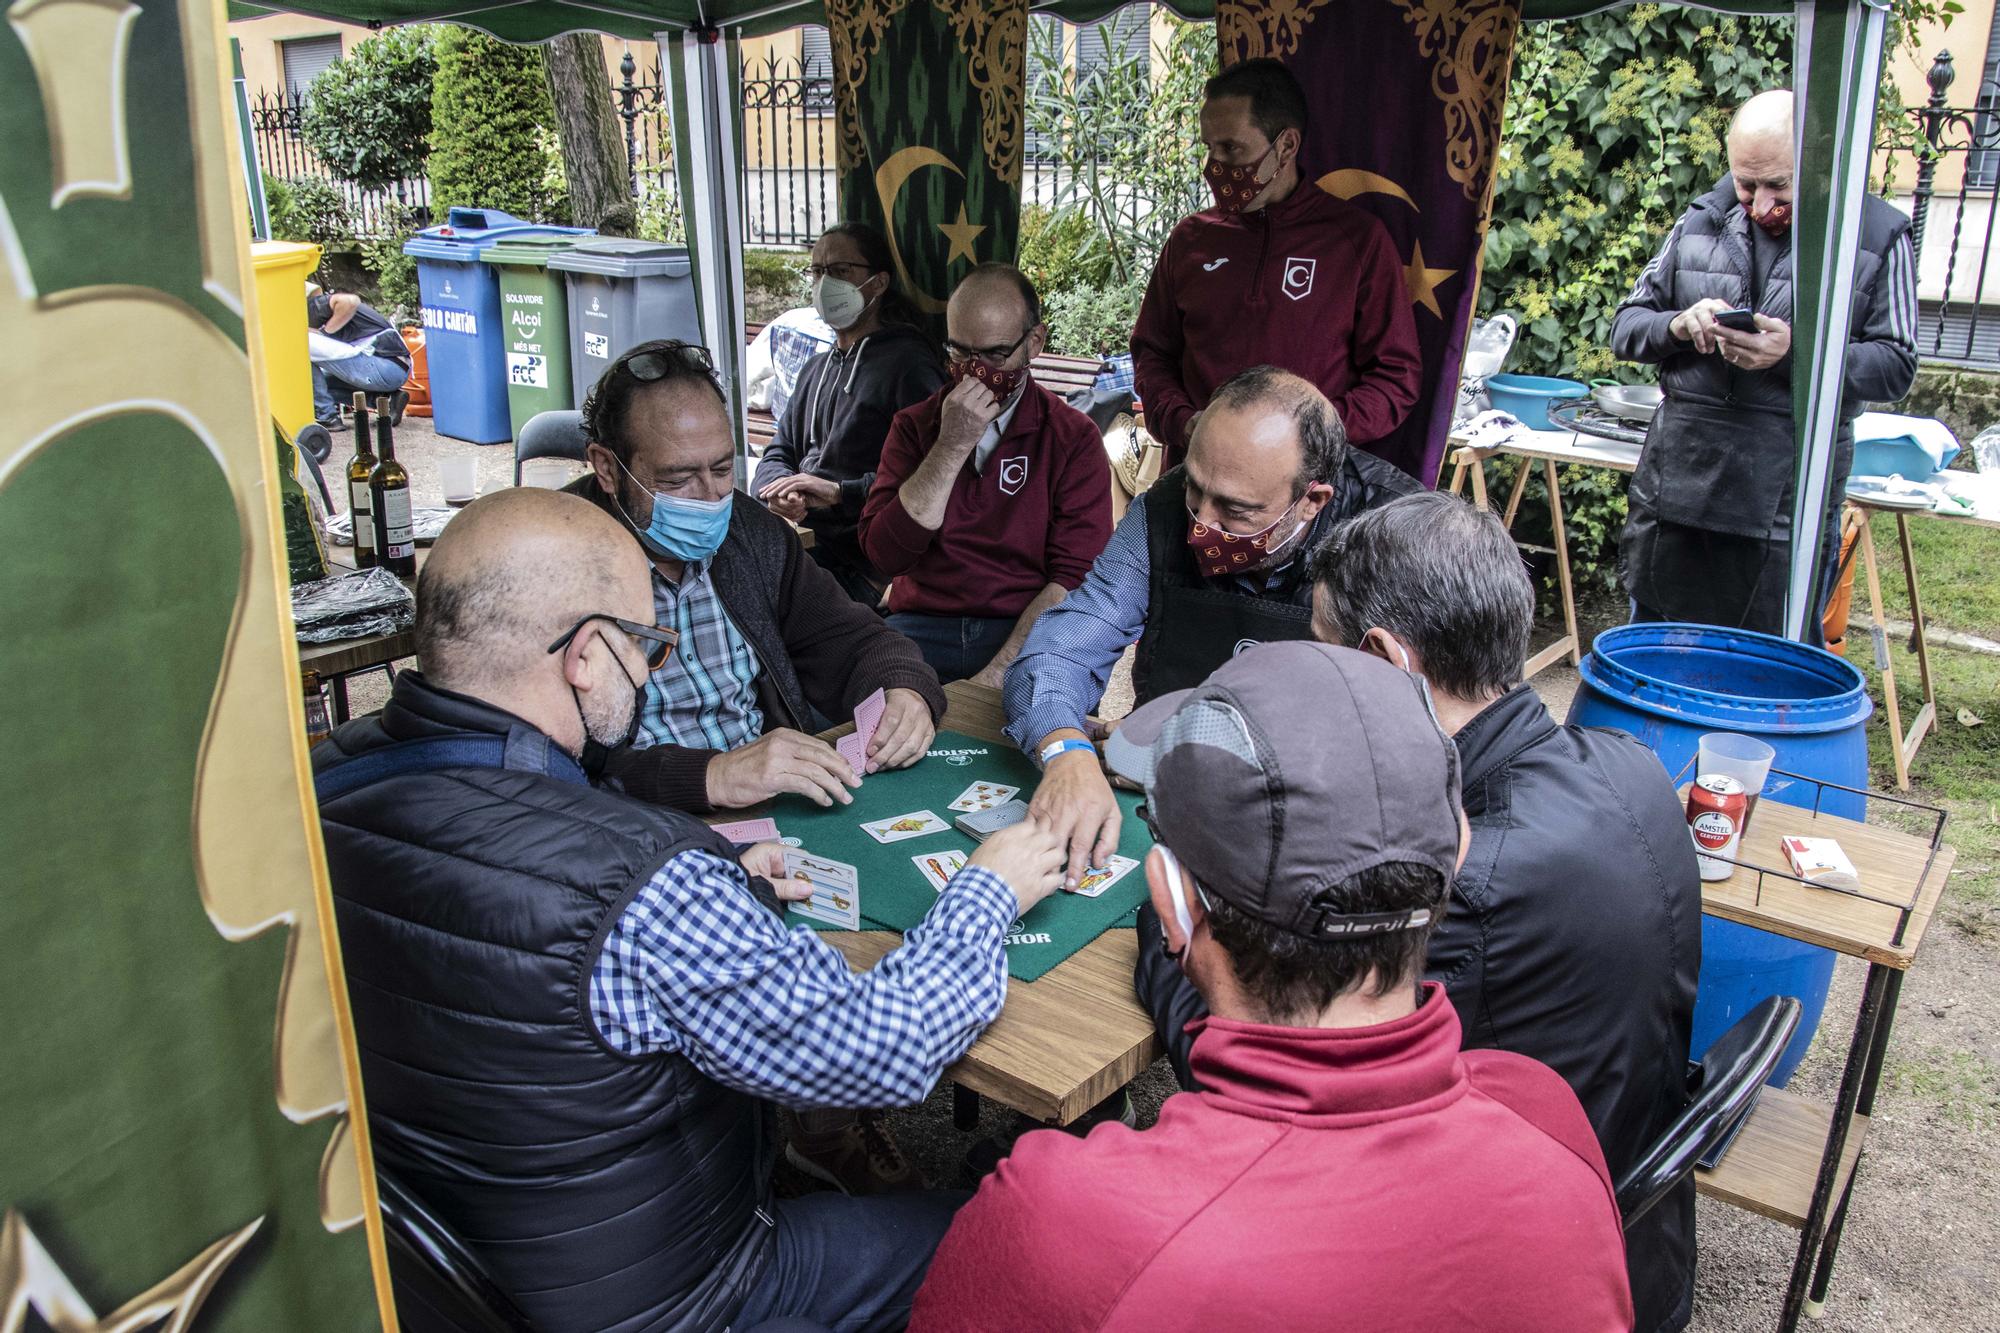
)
(1955, 323)
(282, 153)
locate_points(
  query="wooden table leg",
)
(1926, 717)
(1479, 482)
(1878, 631)
(1514, 496)
(1569, 644)
(1457, 486)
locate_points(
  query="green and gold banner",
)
(928, 98)
(176, 1064)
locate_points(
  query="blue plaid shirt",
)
(696, 966)
(705, 697)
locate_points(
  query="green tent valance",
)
(539, 20)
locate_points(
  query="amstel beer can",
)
(1715, 808)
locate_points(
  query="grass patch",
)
(1965, 1087)
(1955, 564)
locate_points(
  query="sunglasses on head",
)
(658, 643)
(656, 363)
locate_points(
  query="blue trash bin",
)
(464, 340)
(1668, 684)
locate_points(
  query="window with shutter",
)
(816, 68)
(305, 57)
(1130, 28)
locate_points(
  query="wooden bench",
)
(1060, 375)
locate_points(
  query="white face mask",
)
(838, 302)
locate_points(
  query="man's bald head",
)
(1760, 157)
(509, 574)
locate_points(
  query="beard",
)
(611, 723)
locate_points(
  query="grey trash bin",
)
(623, 292)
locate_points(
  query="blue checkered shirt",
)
(697, 967)
(705, 697)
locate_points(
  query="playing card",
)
(983, 796)
(748, 830)
(898, 827)
(836, 898)
(1096, 881)
(939, 867)
(853, 747)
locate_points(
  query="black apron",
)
(1194, 625)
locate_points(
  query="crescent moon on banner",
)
(1350, 181)
(890, 179)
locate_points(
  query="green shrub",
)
(1061, 251)
(395, 272)
(487, 102)
(311, 209)
(660, 216)
(1093, 321)
(368, 115)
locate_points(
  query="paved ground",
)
(1918, 1251)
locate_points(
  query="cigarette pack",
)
(1820, 861)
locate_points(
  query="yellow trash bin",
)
(282, 269)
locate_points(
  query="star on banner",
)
(1424, 282)
(961, 234)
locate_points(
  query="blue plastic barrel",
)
(1668, 685)
(463, 337)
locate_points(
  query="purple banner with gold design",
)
(1406, 98)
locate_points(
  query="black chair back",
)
(440, 1285)
(1722, 1090)
(557, 434)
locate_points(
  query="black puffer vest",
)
(605, 1192)
(1194, 624)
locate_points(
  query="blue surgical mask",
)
(682, 529)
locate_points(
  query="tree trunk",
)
(593, 140)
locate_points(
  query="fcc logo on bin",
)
(1299, 277)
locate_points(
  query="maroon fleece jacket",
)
(1039, 514)
(1359, 1178)
(1310, 284)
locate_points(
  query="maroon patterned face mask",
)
(1002, 382)
(1776, 222)
(1236, 188)
(1218, 552)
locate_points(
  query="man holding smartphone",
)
(1709, 533)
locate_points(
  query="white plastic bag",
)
(1486, 349)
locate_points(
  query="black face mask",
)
(595, 752)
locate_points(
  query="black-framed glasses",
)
(992, 356)
(658, 643)
(814, 272)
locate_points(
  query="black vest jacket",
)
(1193, 624)
(605, 1192)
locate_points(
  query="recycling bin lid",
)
(280, 254)
(467, 231)
(624, 257)
(530, 250)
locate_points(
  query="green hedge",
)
(488, 102)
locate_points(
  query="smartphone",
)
(1743, 320)
(979, 825)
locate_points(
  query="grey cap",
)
(1294, 767)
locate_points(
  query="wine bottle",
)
(360, 499)
(390, 485)
(319, 725)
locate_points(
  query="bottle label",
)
(397, 540)
(361, 506)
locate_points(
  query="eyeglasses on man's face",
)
(657, 643)
(992, 356)
(847, 270)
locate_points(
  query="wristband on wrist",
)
(1054, 748)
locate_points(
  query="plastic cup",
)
(460, 477)
(1744, 758)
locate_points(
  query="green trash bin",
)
(534, 325)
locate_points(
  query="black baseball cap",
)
(1294, 767)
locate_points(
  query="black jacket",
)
(1720, 454)
(1573, 936)
(603, 1190)
(837, 418)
